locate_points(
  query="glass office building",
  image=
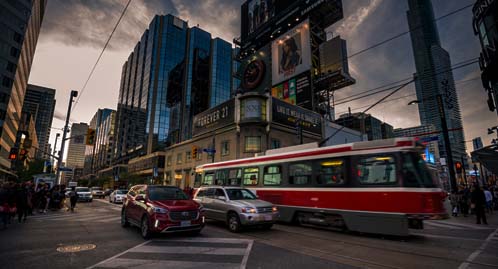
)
(434, 76)
(173, 74)
(20, 23)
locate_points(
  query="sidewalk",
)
(470, 220)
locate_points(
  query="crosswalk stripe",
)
(190, 250)
(444, 225)
(110, 219)
(152, 264)
(456, 226)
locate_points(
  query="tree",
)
(34, 167)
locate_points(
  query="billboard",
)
(217, 117)
(289, 115)
(296, 91)
(254, 72)
(258, 13)
(291, 53)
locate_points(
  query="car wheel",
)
(267, 226)
(144, 228)
(234, 223)
(124, 219)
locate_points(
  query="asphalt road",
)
(92, 237)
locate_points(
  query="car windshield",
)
(166, 193)
(240, 194)
(121, 191)
(96, 188)
(82, 190)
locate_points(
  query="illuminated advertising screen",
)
(291, 53)
(296, 91)
(258, 13)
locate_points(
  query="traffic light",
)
(13, 153)
(458, 166)
(90, 136)
(23, 154)
(194, 152)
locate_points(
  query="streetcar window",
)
(208, 179)
(272, 175)
(234, 177)
(300, 173)
(221, 177)
(415, 172)
(379, 169)
(332, 172)
(251, 176)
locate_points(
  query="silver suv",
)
(236, 206)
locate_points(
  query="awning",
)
(488, 157)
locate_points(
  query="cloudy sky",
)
(74, 32)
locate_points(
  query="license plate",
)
(185, 223)
(268, 217)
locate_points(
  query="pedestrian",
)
(73, 198)
(4, 206)
(454, 201)
(11, 201)
(489, 200)
(464, 201)
(479, 203)
(22, 203)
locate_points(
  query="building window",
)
(188, 156)
(253, 144)
(17, 37)
(332, 172)
(14, 52)
(275, 144)
(179, 158)
(199, 154)
(7, 82)
(11, 67)
(225, 148)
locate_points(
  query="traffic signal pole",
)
(64, 133)
(446, 138)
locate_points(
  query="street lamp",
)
(446, 137)
(64, 133)
(55, 145)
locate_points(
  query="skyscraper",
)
(93, 152)
(434, 76)
(173, 73)
(76, 150)
(20, 23)
(39, 102)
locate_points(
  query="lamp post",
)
(64, 133)
(446, 138)
(55, 146)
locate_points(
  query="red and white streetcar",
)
(381, 187)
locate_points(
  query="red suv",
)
(161, 209)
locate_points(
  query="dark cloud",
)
(89, 22)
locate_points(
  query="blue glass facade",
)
(221, 72)
(174, 73)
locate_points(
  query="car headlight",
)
(91, 196)
(274, 209)
(159, 210)
(249, 210)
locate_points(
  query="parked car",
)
(84, 194)
(237, 207)
(97, 192)
(117, 196)
(161, 209)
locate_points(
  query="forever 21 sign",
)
(214, 118)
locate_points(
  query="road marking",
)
(457, 226)
(110, 219)
(445, 236)
(478, 251)
(183, 253)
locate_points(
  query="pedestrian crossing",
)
(183, 253)
(88, 215)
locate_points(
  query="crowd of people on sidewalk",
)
(26, 199)
(477, 200)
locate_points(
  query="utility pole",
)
(446, 138)
(55, 148)
(64, 133)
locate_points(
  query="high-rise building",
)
(174, 73)
(98, 155)
(39, 102)
(76, 150)
(372, 126)
(20, 23)
(427, 135)
(434, 77)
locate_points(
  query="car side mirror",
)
(140, 198)
(223, 198)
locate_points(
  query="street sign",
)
(65, 169)
(209, 150)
